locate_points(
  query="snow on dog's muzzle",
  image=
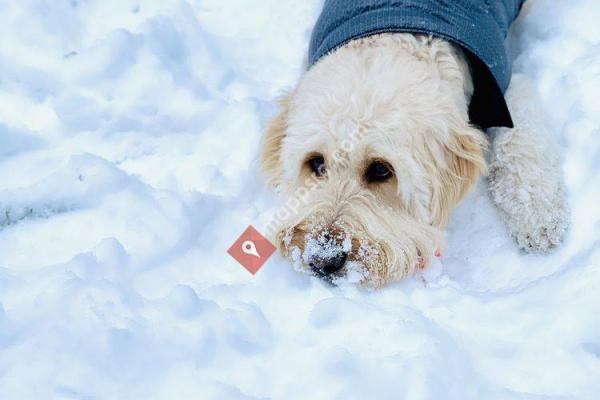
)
(329, 265)
(326, 253)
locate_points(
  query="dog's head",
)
(372, 150)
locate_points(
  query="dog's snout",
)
(329, 265)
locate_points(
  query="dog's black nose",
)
(328, 265)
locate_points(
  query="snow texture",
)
(129, 135)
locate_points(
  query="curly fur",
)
(403, 99)
(526, 181)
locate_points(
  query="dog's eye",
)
(317, 165)
(378, 171)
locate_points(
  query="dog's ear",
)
(452, 65)
(465, 162)
(271, 164)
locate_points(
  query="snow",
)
(129, 135)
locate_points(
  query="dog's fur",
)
(403, 99)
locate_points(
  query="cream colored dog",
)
(376, 142)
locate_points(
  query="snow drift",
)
(129, 134)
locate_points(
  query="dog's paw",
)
(541, 237)
(534, 206)
(525, 177)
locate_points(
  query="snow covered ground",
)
(129, 132)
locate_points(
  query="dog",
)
(390, 127)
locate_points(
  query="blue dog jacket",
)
(478, 26)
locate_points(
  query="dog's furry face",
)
(375, 144)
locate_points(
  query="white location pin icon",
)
(249, 247)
